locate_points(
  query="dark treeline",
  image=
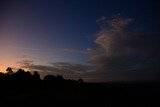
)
(27, 75)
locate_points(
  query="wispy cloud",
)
(87, 51)
(23, 48)
(67, 50)
(64, 68)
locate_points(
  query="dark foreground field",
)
(49, 94)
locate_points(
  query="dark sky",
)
(99, 40)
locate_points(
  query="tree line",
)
(27, 75)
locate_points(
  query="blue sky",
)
(46, 31)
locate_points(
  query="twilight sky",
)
(98, 40)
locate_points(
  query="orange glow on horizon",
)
(3, 69)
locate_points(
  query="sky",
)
(98, 40)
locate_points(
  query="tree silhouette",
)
(2, 76)
(59, 77)
(26, 75)
(80, 80)
(22, 75)
(9, 71)
(36, 76)
(49, 77)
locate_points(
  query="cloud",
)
(78, 68)
(69, 50)
(88, 51)
(68, 70)
(115, 23)
(124, 52)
